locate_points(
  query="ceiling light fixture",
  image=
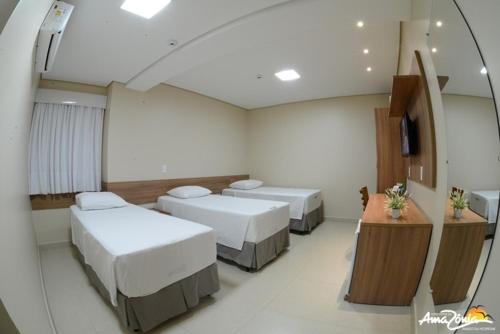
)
(360, 24)
(439, 24)
(368, 69)
(434, 50)
(68, 102)
(144, 8)
(366, 51)
(287, 75)
(484, 71)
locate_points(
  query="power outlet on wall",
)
(163, 168)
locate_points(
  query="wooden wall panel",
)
(420, 110)
(55, 201)
(391, 166)
(141, 192)
(138, 192)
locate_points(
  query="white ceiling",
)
(457, 55)
(224, 44)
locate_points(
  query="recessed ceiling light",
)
(434, 50)
(366, 51)
(287, 75)
(368, 69)
(484, 71)
(439, 24)
(68, 102)
(144, 8)
(360, 24)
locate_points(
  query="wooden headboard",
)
(138, 192)
(141, 192)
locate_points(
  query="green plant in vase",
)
(458, 202)
(396, 202)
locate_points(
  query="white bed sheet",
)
(138, 251)
(485, 203)
(302, 201)
(235, 220)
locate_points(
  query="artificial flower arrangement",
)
(458, 202)
(396, 201)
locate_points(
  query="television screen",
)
(408, 136)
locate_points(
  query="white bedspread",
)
(485, 203)
(138, 251)
(302, 201)
(235, 220)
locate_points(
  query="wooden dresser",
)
(459, 252)
(390, 255)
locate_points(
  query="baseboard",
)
(342, 219)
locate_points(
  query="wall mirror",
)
(473, 153)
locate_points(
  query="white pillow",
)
(246, 184)
(189, 192)
(99, 201)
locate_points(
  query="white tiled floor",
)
(300, 292)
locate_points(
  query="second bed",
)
(306, 206)
(249, 232)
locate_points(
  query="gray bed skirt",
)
(309, 221)
(144, 313)
(254, 256)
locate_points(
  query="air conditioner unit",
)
(50, 35)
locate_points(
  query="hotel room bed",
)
(306, 206)
(149, 266)
(249, 232)
(485, 204)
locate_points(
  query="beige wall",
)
(52, 226)
(198, 136)
(328, 144)
(191, 134)
(21, 289)
(413, 33)
(472, 139)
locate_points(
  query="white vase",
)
(458, 213)
(396, 213)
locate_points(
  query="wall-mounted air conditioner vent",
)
(50, 35)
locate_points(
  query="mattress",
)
(235, 220)
(485, 204)
(138, 251)
(302, 201)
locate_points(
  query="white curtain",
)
(65, 149)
